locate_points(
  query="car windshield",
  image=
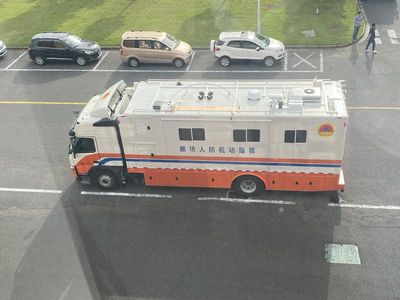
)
(170, 41)
(73, 41)
(261, 40)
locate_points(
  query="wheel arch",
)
(263, 180)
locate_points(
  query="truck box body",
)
(288, 134)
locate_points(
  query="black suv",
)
(62, 46)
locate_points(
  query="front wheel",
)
(80, 60)
(269, 61)
(107, 179)
(179, 63)
(248, 186)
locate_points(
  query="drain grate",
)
(342, 254)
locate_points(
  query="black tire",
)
(106, 179)
(81, 60)
(248, 186)
(133, 62)
(39, 60)
(225, 61)
(178, 63)
(269, 61)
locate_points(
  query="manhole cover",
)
(342, 254)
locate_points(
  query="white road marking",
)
(159, 71)
(378, 41)
(190, 63)
(66, 291)
(285, 62)
(321, 62)
(15, 60)
(240, 200)
(126, 194)
(393, 36)
(346, 205)
(100, 61)
(30, 190)
(373, 108)
(303, 60)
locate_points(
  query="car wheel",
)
(225, 61)
(248, 186)
(133, 62)
(39, 60)
(80, 60)
(179, 63)
(269, 61)
(107, 179)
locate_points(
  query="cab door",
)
(83, 154)
(251, 50)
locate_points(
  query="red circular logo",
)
(326, 130)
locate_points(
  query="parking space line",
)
(285, 62)
(240, 200)
(303, 60)
(346, 205)
(159, 71)
(137, 195)
(100, 61)
(191, 60)
(15, 60)
(30, 190)
(321, 62)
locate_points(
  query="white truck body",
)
(289, 135)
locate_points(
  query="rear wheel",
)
(39, 60)
(179, 63)
(107, 179)
(133, 62)
(80, 60)
(248, 185)
(269, 61)
(225, 61)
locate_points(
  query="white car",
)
(247, 45)
(3, 49)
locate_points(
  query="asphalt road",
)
(60, 240)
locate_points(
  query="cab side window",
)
(248, 45)
(234, 44)
(45, 44)
(145, 44)
(59, 45)
(83, 145)
(131, 43)
(158, 46)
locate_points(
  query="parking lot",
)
(295, 61)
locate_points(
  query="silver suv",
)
(246, 45)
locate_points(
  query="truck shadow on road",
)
(92, 247)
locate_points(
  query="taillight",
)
(217, 49)
(29, 49)
(120, 50)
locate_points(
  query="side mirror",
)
(168, 49)
(258, 49)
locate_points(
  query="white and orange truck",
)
(245, 135)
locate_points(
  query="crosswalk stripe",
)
(393, 36)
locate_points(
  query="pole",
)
(258, 17)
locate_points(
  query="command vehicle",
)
(246, 135)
